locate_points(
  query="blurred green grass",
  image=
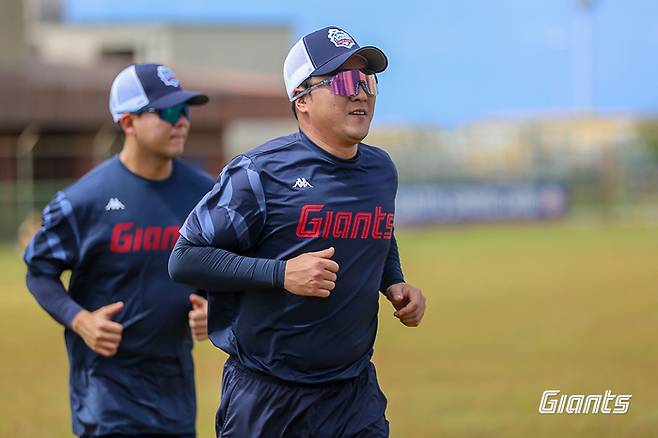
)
(513, 310)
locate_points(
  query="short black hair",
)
(294, 110)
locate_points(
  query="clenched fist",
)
(198, 317)
(312, 274)
(97, 329)
(409, 303)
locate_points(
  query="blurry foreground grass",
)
(512, 311)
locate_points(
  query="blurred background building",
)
(54, 84)
(542, 160)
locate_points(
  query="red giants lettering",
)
(344, 224)
(127, 239)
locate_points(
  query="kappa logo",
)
(167, 76)
(114, 204)
(301, 183)
(340, 38)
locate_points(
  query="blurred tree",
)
(647, 132)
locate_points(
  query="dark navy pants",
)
(258, 405)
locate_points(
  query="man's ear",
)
(127, 122)
(301, 104)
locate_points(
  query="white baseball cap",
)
(324, 51)
(142, 86)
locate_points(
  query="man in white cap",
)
(128, 327)
(294, 243)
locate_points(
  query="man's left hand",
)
(198, 317)
(409, 303)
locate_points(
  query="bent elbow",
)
(172, 267)
(175, 267)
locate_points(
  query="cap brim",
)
(377, 61)
(178, 97)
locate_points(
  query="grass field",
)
(512, 311)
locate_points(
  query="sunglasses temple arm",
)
(303, 93)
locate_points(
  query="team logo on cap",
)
(167, 76)
(340, 38)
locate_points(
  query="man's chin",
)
(357, 137)
(175, 149)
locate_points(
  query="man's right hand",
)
(98, 330)
(312, 274)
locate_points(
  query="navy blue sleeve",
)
(233, 213)
(392, 269)
(51, 295)
(227, 220)
(54, 249)
(218, 270)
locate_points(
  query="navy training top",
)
(282, 199)
(114, 230)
